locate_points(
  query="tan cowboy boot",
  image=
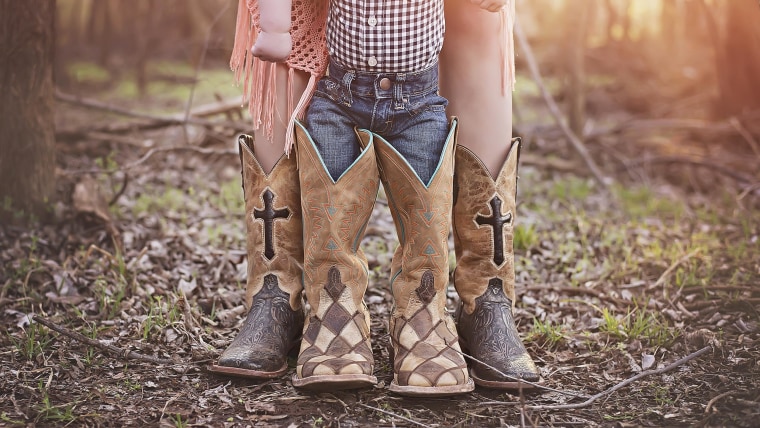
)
(275, 256)
(335, 349)
(484, 214)
(427, 360)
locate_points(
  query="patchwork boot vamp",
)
(425, 343)
(335, 342)
(490, 336)
(270, 330)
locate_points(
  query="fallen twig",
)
(200, 150)
(700, 163)
(661, 280)
(555, 111)
(626, 382)
(166, 120)
(412, 421)
(715, 400)
(151, 153)
(120, 352)
(753, 144)
(536, 385)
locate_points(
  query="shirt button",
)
(372, 61)
(385, 83)
(372, 21)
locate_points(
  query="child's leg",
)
(426, 355)
(335, 350)
(331, 128)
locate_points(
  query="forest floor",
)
(609, 285)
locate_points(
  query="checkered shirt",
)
(395, 36)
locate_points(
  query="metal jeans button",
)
(385, 83)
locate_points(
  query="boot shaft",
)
(335, 347)
(422, 215)
(483, 218)
(273, 223)
(335, 216)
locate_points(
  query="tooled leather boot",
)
(275, 255)
(335, 349)
(426, 354)
(484, 213)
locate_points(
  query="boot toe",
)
(253, 361)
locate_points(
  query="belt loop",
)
(348, 77)
(398, 90)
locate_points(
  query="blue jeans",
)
(403, 108)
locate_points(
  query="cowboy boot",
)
(427, 360)
(275, 255)
(335, 348)
(484, 213)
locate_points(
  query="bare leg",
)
(471, 80)
(269, 152)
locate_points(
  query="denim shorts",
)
(403, 108)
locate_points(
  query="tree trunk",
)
(27, 140)
(738, 62)
(576, 79)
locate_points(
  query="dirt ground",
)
(610, 286)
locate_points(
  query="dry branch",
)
(154, 151)
(626, 382)
(555, 111)
(120, 352)
(403, 418)
(156, 119)
(692, 162)
(519, 380)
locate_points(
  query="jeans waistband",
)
(370, 83)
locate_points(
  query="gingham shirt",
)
(398, 36)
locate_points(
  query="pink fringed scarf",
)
(309, 55)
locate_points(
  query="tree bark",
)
(27, 140)
(576, 51)
(738, 63)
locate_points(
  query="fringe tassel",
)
(508, 77)
(259, 82)
(298, 113)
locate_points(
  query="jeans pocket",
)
(332, 89)
(429, 102)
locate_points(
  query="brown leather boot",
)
(484, 214)
(335, 349)
(427, 361)
(275, 255)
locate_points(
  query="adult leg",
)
(275, 251)
(485, 189)
(269, 152)
(471, 78)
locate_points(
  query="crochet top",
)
(309, 54)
